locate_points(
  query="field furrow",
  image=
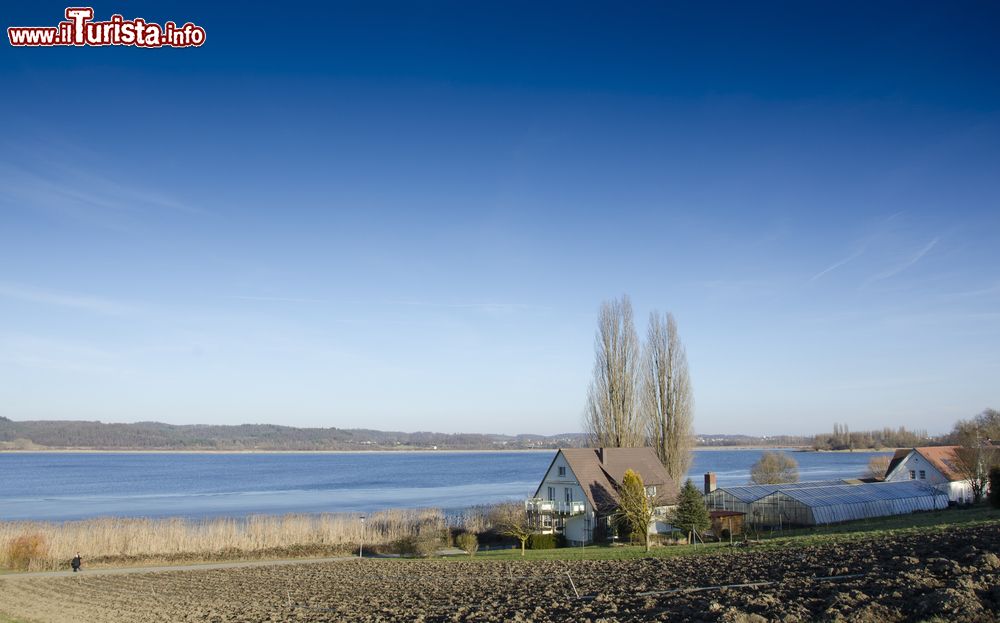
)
(953, 575)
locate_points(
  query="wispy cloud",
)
(993, 289)
(895, 270)
(32, 351)
(277, 299)
(63, 299)
(492, 308)
(837, 264)
(485, 307)
(886, 383)
(45, 180)
(739, 287)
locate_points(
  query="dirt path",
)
(161, 568)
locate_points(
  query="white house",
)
(935, 466)
(579, 492)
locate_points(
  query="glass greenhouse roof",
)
(836, 494)
(752, 493)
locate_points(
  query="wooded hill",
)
(58, 435)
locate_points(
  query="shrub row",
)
(546, 541)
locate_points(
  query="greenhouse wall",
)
(838, 503)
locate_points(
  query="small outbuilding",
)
(726, 524)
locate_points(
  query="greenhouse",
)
(739, 498)
(834, 503)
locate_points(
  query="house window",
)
(552, 493)
(913, 475)
(569, 494)
(923, 475)
(651, 490)
(562, 470)
(546, 521)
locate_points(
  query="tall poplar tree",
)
(667, 400)
(612, 416)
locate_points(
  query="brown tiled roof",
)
(944, 460)
(600, 470)
(941, 457)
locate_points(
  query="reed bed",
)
(51, 545)
(476, 519)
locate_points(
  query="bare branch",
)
(612, 417)
(667, 400)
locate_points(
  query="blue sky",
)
(405, 216)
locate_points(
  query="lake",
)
(62, 486)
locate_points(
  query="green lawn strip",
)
(929, 522)
(6, 619)
(596, 552)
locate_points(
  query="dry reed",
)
(117, 540)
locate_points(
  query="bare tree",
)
(985, 427)
(512, 520)
(878, 466)
(976, 453)
(973, 462)
(667, 400)
(774, 468)
(612, 417)
(636, 506)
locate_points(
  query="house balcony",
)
(539, 506)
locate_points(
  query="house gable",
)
(560, 481)
(916, 463)
(595, 472)
(897, 458)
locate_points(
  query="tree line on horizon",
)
(842, 438)
(65, 434)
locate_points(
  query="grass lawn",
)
(917, 522)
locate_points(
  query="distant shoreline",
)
(207, 451)
(747, 447)
(400, 451)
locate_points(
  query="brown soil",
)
(947, 576)
(224, 555)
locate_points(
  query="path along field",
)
(928, 575)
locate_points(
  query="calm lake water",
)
(59, 486)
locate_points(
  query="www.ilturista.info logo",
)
(80, 29)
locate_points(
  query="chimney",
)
(709, 482)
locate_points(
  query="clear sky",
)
(406, 215)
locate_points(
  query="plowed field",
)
(947, 575)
